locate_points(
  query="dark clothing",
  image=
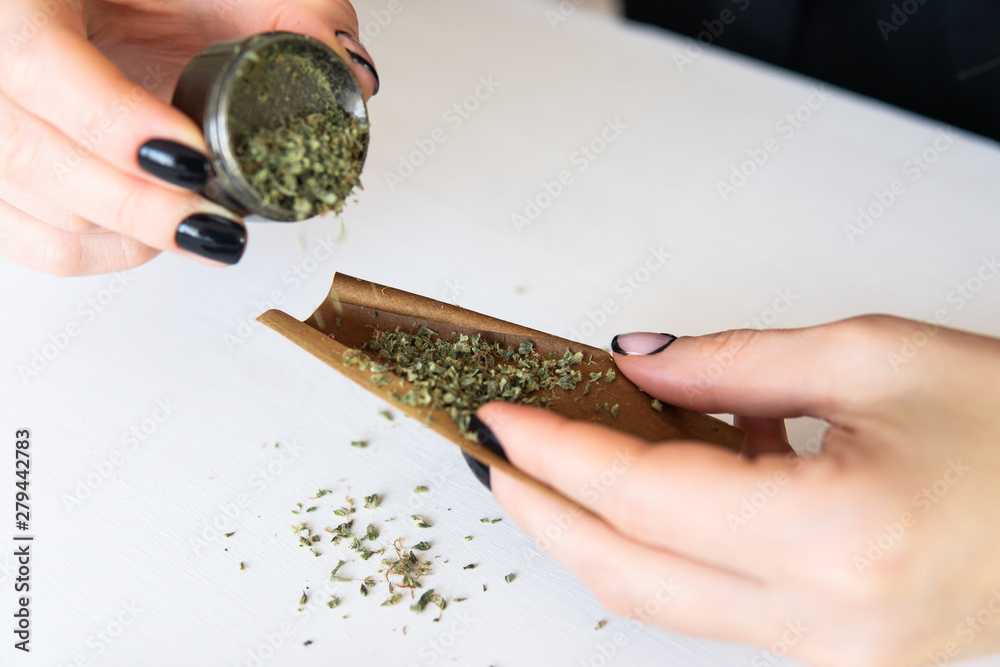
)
(940, 58)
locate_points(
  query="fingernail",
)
(213, 237)
(175, 163)
(485, 437)
(361, 60)
(641, 344)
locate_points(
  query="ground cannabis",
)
(510, 577)
(421, 489)
(310, 162)
(461, 373)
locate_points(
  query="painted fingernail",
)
(485, 437)
(361, 60)
(213, 237)
(641, 344)
(175, 163)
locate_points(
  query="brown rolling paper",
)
(356, 308)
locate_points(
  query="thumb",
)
(333, 22)
(824, 371)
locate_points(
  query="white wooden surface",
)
(147, 530)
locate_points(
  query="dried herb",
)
(340, 532)
(510, 577)
(461, 373)
(372, 501)
(470, 566)
(371, 533)
(600, 624)
(230, 534)
(337, 569)
(386, 414)
(304, 599)
(421, 521)
(406, 566)
(422, 546)
(392, 599)
(429, 597)
(242, 566)
(657, 405)
(468, 538)
(308, 163)
(360, 444)
(421, 489)
(335, 601)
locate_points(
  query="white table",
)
(162, 428)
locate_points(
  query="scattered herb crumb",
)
(657, 405)
(360, 444)
(600, 624)
(372, 501)
(230, 534)
(510, 577)
(334, 601)
(421, 489)
(386, 414)
(470, 566)
(421, 521)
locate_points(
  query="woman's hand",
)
(883, 550)
(98, 173)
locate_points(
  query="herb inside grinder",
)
(310, 161)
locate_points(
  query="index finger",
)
(677, 496)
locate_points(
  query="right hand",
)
(84, 91)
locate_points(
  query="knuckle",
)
(20, 150)
(127, 254)
(60, 257)
(867, 331)
(22, 75)
(613, 595)
(129, 209)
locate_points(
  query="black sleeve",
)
(937, 58)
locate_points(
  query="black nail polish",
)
(485, 437)
(175, 163)
(213, 237)
(368, 66)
